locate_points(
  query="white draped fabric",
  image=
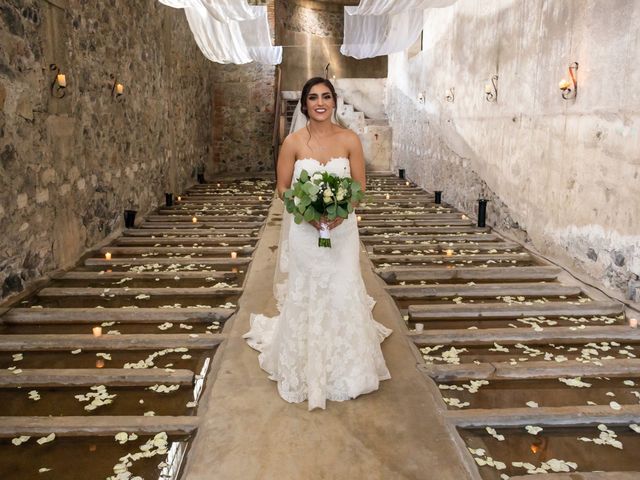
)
(230, 31)
(382, 27)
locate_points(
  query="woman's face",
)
(320, 103)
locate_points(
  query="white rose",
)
(296, 201)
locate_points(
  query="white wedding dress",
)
(325, 343)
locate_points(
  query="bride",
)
(325, 343)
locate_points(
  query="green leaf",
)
(309, 215)
(304, 176)
(297, 218)
(342, 212)
(350, 207)
(311, 188)
(288, 193)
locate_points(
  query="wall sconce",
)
(570, 88)
(491, 90)
(451, 95)
(59, 82)
(117, 89)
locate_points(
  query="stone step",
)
(437, 237)
(410, 222)
(511, 311)
(586, 415)
(81, 275)
(462, 257)
(221, 201)
(133, 292)
(532, 370)
(185, 241)
(486, 336)
(199, 233)
(75, 377)
(433, 210)
(399, 274)
(200, 225)
(184, 210)
(444, 246)
(205, 218)
(92, 262)
(122, 315)
(422, 230)
(482, 290)
(198, 249)
(91, 426)
(147, 341)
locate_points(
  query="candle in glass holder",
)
(217, 184)
(633, 322)
(407, 183)
(260, 197)
(62, 80)
(464, 217)
(194, 220)
(564, 84)
(359, 217)
(179, 198)
(419, 327)
(107, 256)
(99, 363)
(97, 331)
(449, 252)
(387, 196)
(234, 255)
(234, 270)
(119, 88)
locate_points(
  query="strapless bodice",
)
(337, 165)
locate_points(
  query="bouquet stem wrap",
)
(325, 236)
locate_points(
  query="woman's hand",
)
(333, 224)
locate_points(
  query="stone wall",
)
(312, 34)
(564, 174)
(69, 166)
(244, 99)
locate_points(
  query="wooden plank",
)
(92, 426)
(463, 237)
(196, 233)
(486, 336)
(200, 225)
(482, 290)
(573, 416)
(411, 222)
(147, 341)
(102, 275)
(205, 218)
(75, 377)
(133, 292)
(115, 250)
(504, 310)
(122, 315)
(422, 230)
(497, 371)
(462, 257)
(101, 262)
(415, 273)
(444, 246)
(185, 241)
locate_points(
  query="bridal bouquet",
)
(322, 197)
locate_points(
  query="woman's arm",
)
(356, 161)
(286, 159)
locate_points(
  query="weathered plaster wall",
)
(68, 167)
(563, 174)
(312, 33)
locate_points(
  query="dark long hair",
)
(312, 82)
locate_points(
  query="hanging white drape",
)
(230, 31)
(382, 27)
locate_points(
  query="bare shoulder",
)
(350, 137)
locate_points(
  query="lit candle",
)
(119, 88)
(464, 217)
(488, 89)
(217, 184)
(260, 197)
(449, 253)
(419, 327)
(107, 256)
(407, 184)
(234, 270)
(194, 219)
(62, 80)
(99, 363)
(387, 196)
(234, 255)
(564, 84)
(633, 322)
(179, 198)
(97, 331)
(359, 217)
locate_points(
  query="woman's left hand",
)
(335, 223)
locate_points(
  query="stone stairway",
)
(533, 374)
(125, 341)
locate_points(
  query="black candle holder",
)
(401, 173)
(168, 199)
(438, 197)
(201, 179)
(482, 212)
(129, 218)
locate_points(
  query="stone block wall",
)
(70, 166)
(562, 174)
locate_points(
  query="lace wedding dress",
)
(325, 343)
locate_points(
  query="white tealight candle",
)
(449, 253)
(62, 80)
(179, 198)
(633, 322)
(107, 256)
(564, 84)
(260, 197)
(217, 184)
(97, 331)
(387, 196)
(359, 217)
(99, 363)
(464, 217)
(234, 255)
(419, 327)
(119, 89)
(407, 183)
(487, 88)
(194, 219)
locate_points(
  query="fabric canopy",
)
(381, 27)
(230, 31)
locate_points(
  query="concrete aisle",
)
(249, 432)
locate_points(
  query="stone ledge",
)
(46, 377)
